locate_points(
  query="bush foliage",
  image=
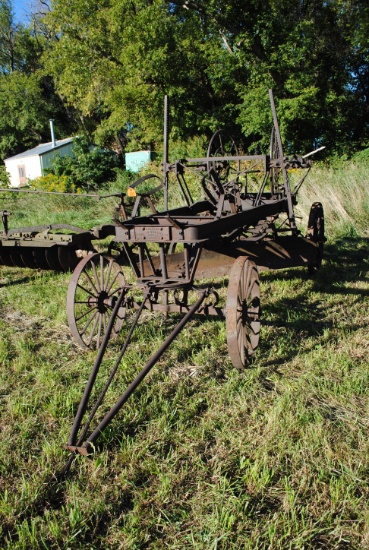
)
(88, 169)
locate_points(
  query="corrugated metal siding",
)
(42, 148)
(65, 151)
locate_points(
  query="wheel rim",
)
(220, 145)
(243, 312)
(92, 293)
(315, 232)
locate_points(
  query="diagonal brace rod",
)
(86, 395)
(85, 448)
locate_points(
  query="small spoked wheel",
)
(243, 312)
(93, 291)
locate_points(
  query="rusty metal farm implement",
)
(234, 231)
(56, 247)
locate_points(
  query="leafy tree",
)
(22, 112)
(112, 62)
(116, 60)
(88, 168)
(19, 51)
(314, 54)
(27, 98)
(4, 177)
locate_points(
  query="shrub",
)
(4, 177)
(89, 168)
(54, 183)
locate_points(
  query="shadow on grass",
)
(301, 317)
(344, 261)
(15, 276)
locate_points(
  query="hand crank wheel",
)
(243, 312)
(92, 293)
(220, 145)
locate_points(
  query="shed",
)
(32, 163)
(138, 159)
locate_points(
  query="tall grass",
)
(343, 191)
(202, 456)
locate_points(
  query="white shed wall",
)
(32, 167)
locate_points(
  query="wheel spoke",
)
(111, 284)
(96, 290)
(104, 323)
(251, 294)
(93, 330)
(87, 291)
(106, 281)
(91, 318)
(95, 276)
(101, 272)
(99, 332)
(84, 314)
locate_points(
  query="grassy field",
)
(203, 456)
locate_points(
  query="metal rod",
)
(313, 152)
(86, 395)
(143, 373)
(166, 148)
(113, 372)
(37, 192)
(291, 215)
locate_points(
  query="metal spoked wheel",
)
(220, 145)
(92, 293)
(315, 232)
(243, 312)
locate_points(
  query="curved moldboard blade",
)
(27, 257)
(39, 255)
(53, 259)
(16, 256)
(5, 258)
(68, 258)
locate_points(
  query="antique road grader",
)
(233, 231)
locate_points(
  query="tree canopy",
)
(104, 67)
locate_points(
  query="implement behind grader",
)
(232, 232)
(154, 259)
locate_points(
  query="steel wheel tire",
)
(92, 293)
(243, 312)
(315, 232)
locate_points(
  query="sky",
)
(21, 9)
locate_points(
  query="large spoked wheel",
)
(218, 171)
(243, 312)
(92, 294)
(315, 232)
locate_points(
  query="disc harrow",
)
(164, 257)
(55, 247)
